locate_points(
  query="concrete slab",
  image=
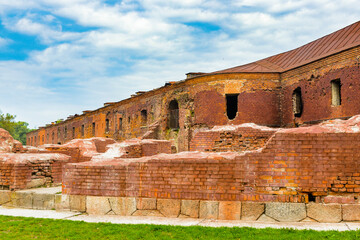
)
(138, 220)
(49, 190)
(20, 212)
(296, 225)
(17, 212)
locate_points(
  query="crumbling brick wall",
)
(293, 167)
(19, 171)
(231, 138)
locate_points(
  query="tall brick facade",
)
(262, 93)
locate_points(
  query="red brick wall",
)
(242, 139)
(287, 170)
(6, 170)
(316, 96)
(17, 174)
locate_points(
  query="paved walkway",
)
(172, 221)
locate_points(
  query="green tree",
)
(16, 129)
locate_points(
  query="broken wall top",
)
(8, 143)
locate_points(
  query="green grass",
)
(15, 228)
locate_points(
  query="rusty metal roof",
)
(335, 42)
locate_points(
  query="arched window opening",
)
(143, 117)
(120, 124)
(107, 125)
(297, 102)
(336, 92)
(174, 114)
(231, 105)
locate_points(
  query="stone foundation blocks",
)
(97, 205)
(62, 202)
(229, 210)
(21, 200)
(190, 208)
(286, 212)
(77, 203)
(43, 201)
(169, 207)
(351, 212)
(324, 212)
(5, 197)
(209, 209)
(146, 203)
(124, 206)
(251, 211)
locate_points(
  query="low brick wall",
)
(19, 171)
(238, 138)
(292, 167)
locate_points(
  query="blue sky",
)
(60, 57)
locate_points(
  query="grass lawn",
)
(15, 228)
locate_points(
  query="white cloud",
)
(4, 41)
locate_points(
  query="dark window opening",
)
(82, 130)
(143, 117)
(128, 119)
(73, 132)
(65, 132)
(43, 138)
(336, 92)
(93, 129)
(35, 140)
(297, 102)
(58, 133)
(231, 105)
(120, 124)
(311, 197)
(174, 114)
(107, 125)
(47, 138)
(53, 138)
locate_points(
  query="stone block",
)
(124, 206)
(22, 199)
(324, 212)
(229, 210)
(351, 212)
(286, 212)
(265, 219)
(146, 203)
(209, 209)
(44, 201)
(34, 183)
(149, 213)
(251, 211)
(307, 219)
(190, 208)
(97, 205)
(5, 196)
(77, 203)
(169, 207)
(62, 202)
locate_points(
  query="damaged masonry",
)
(274, 139)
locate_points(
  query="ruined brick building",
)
(312, 83)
